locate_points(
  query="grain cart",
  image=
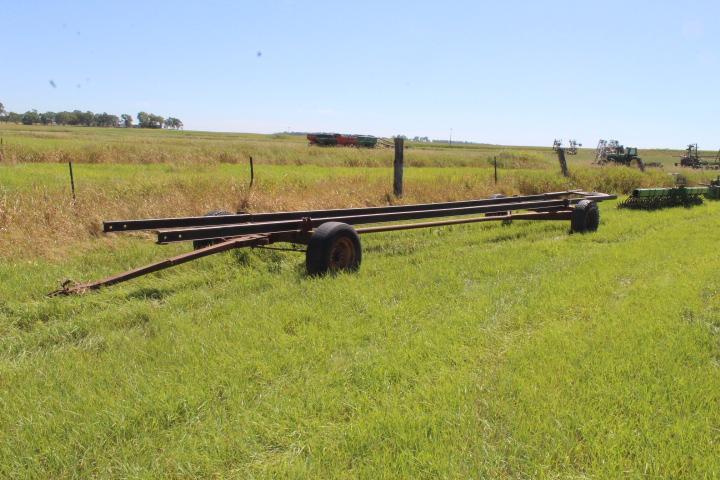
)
(332, 237)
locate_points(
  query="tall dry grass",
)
(38, 218)
(43, 221)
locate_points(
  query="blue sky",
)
(509, 72)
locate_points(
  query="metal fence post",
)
(72, 181)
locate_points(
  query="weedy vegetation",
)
(482, 351)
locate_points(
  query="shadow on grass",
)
(149, 293)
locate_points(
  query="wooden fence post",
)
(563, 162)
(495, 163)
(252, 173)
(398, 167)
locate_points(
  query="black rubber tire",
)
(198, 244)
(323, 245)
(585, 217)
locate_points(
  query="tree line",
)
(90, 119)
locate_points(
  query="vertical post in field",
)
(563, 162)
(495, 163)
(398, 167)
(72, 181)
(252, 173)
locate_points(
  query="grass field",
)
(480, 351)
(24, 144)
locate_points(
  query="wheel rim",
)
(342, 255)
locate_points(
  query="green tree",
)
(156, 121)
(30, 117)
(174, 123)
(86, 118)
(105, 120)
(149, 120)
(2, 109)
(143, 119)
(66, 118)
(47, 118)
(127, 120)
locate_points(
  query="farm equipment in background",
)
(610, 151)
(562, 151)
(331, 236)
(338, 139)
(681, 196)
(692, 159)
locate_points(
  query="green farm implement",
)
(656, 198)
(610, 151)
(625, 156)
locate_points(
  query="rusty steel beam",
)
(181, 222)
(558, 215)
(245, 241)
(202, 233)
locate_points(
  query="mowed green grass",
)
(469, 351)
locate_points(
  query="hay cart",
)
(331, 237)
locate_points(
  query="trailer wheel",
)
(333, 247)
(585, 217)
(198, 244)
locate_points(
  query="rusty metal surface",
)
(245, 241)
(180, 222)
(201, 233)
(558, 215)
(550, 206)
(500, 205)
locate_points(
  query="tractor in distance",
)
(692, 159)
(625, 156)
(612, 151)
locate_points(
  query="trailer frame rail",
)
(305, 227)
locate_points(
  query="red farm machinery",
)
(343, 140)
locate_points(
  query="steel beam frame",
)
(181, 222)
(307, 223)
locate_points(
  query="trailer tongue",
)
(333, 244)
